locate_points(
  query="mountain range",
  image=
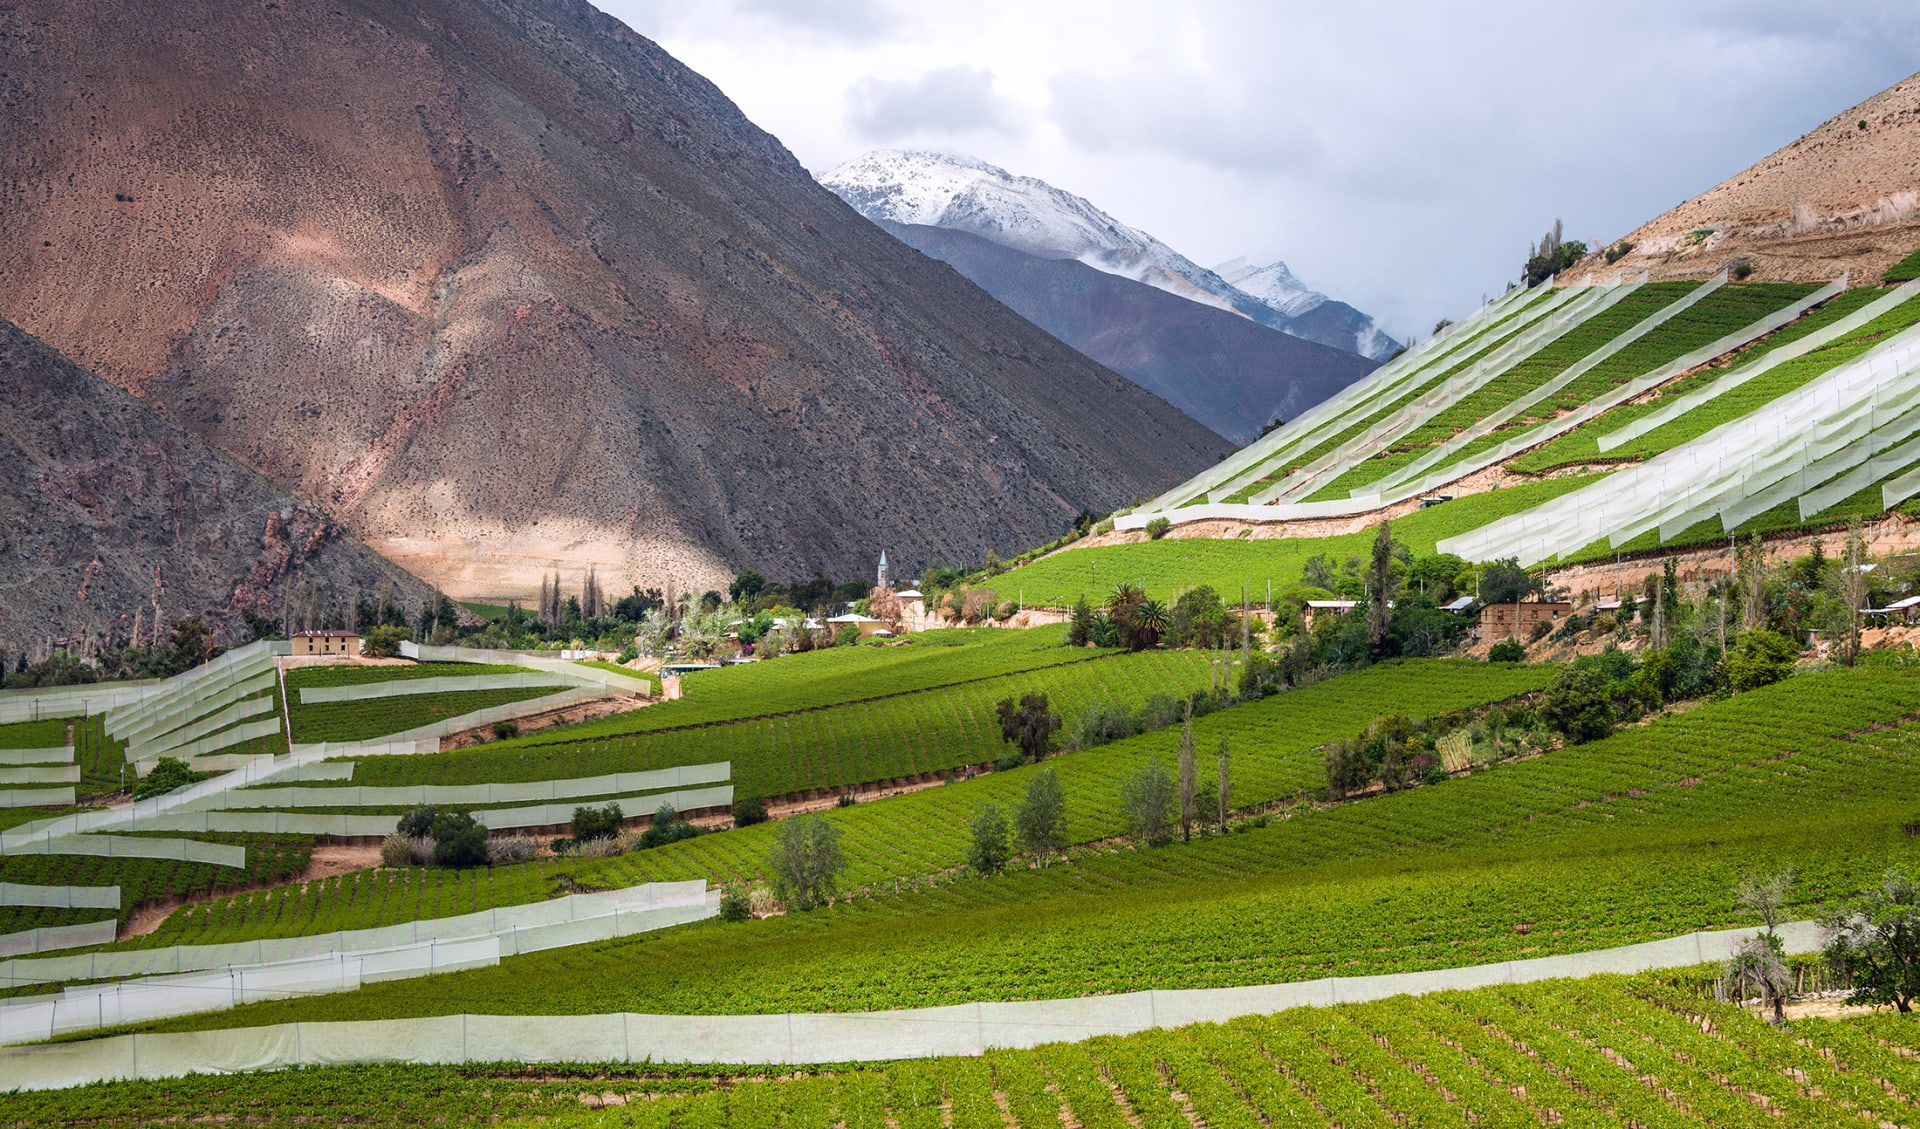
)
(500, 286)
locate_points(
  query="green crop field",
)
(905, 838)
(1173, 564)
(1642, 835)
(898, 736)
(1604, 1052)
(831, 677)
(270, 859)
(362, 675)
(49, 734)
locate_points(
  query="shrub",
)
(383, 641)
(515, 848)
(1158, 527)
(505, 729)
(418, 821)
(1146, 802)
(1011, 761)
(459, 840)
(1100, 723)
(735, 904)
(1507, 651)
(1618, 251)
(168, 774)
(849, 636)
(610, 847)
(667, 827)
(1577, 706)
(396, 850)
(1540, 631)
(749, 811)
(846, 800)
(1760, 658)
(422, 850)
(1604, 624)
(1742, 269)
(596, 823)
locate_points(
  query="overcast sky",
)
(1398, 156)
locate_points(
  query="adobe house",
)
(1517, 621)
(326, 643)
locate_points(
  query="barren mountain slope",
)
(1226, 371)
(110, 510)
(503, 285)
(1844, 197)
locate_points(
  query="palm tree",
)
(1150, 623)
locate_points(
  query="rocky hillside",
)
(1845, 197)
(1228, 372)
(503, 286)
(1029, 215)
(112, 511)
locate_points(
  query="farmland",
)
(270, 859)
(1430, 877)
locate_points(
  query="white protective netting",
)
(50, 937)
(571, 671)
(157, 724)
(187, 734)
(36, 797)
(1220, 479)
(41, 774)
(61, 755)
(508, 922)
(497, 819)
(1590, 302)
(800, 1039)
(59, 897)
(1681, 405)
(199, 753)
(183, 697)
(448, 684)
(1797, 434)
(615, 783)
(133, 847)
(70, 701)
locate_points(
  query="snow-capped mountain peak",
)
(1273, 284)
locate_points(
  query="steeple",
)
(880, 580)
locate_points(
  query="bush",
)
(168, 774)
(1577, 706)
(459, 840)
(1009, 762)
(988, 853)
(396, 850)
(1760, 658)
(749, 811)
(1618, 251)
(1540, 631)
(667, 827)
(505, 729)
(516, 848)
(383, 641)
(596, 823)
(418, 821)
(736, 905)
(1507, 651)
(1158, 527)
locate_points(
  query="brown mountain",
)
(1845, 196)
(1229, 372)
(503, 285)
(112, 511)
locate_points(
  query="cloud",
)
(1181, 115)
(857, 20)
(955, 100)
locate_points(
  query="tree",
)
(1874, 942)
(1040, 822)
(600, 823)
(1759, 962)
(1752, 566)
(1855, 584)
(1146, 801)
(190, 645)
(806, 861)
(1766, 895)
(1505, 582)
(1577, 705)
(1507, 651)
(383, 641)
(1224, 793)
(1760, 658)
(459, 840)
(746, 586)
(1029, 725)
(1080, 628)
(1380, 589)
(884, 604)
(1554, 254)
(989, 852)
(1189, 778)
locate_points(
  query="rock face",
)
(110, 510)
(503, 286)
(1224, 370)
(1029, 215)
(1845, 197)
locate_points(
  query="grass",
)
(1548, 1053)
(488, 612)
(1906, 270)
(1642, 835)
(48, 734)
(1177, 563)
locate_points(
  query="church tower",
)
(881, 580)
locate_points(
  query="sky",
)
(1400, 157)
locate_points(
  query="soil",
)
(565, 715)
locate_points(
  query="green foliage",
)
(505, 729)
(382, 641)
(1158, 527)
(806, 861)
(989, 850)
(168, 774)
(591, 823)
(735, 904)
(270, 859)
(1618, 251)
(749, 811)
(459, 840)
(1578, 706)
(378, 717)
(1553, 255)
(1906, 270)
(1875, 942)
(1030, 725)
(1147, 803)
(1759, 658)
(1040, 822)
(49, 734)
(1507, 651)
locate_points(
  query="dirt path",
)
(327, 861)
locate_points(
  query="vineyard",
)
(270, 859)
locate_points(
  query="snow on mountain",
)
(1027, 214)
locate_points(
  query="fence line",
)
(61, 755)
(59, 897)
(48, 937)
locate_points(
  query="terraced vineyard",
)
(1608, 1052)
(34, 734)
(378, 717)
(270, 859)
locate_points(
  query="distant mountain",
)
(1027, 214)
(1224, 370)
(505, 287)
(110, 510)
(1309, 313)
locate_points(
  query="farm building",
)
(1507, 621)
(1312, 610)
(326, 643)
